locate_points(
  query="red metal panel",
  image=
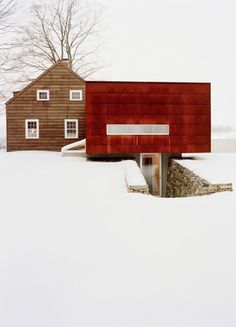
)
(184, 106)
(148, 87)
(189, 129)
(122, 140)
(96, 149)
(95, 130)
(189, 139)
(138, 109)
(149, 119)
(143, 99)
(98, 140)
(156, 140)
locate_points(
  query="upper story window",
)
(31, 128)
(43, 95)
(71, 129)
(76, 95)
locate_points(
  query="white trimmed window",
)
(42, 95)
(31, 128)
(76, 95)
(137, 129)
(71, 129)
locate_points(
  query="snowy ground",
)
(77, 250)
(230, 134)
(2, 130)
(215, 168)
(224, 141)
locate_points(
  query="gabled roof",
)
(59, 62)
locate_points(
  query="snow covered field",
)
(77, 250)
(216, 168)
(224, 141)
(2, 130)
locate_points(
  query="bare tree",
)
(7, 10)
(59, 30)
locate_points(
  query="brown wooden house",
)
(48, 113)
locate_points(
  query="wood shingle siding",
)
(59, 80)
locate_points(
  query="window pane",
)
(43, 95)
(137, 129)
(71, 125)
(76, 95)
(32, 125)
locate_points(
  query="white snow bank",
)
(77, 250)
(215, 168)
(133, 175)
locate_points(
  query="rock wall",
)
(181, 182)
(137, 189)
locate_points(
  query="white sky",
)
(174, 40)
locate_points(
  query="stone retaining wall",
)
(181, 182)
(137, 188)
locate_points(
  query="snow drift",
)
(77, 250)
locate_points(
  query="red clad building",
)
(146, 117)
(150, 121)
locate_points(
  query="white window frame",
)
(27, 136)
(139, 129)
(45, 91)
(76, 126)
(76, 91)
